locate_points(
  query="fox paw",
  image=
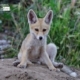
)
(60, 65)
(21, 66)
(52, 68)
(15, 63)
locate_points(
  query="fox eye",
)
(44, 30)
(36, 29)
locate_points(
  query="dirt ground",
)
(35, 72)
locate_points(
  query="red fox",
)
(34, 48)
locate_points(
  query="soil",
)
(35, 72)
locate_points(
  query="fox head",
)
(39, 27)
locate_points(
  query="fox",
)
(34, 47)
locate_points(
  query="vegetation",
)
(65, 28)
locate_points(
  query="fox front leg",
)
(45, 60)
(24, 59)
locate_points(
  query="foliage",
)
(65, 28)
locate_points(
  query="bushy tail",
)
(65, 69)
(68, 71)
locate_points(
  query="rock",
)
(4, 44)
(35, 72)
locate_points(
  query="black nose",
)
(40, 38)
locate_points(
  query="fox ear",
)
(32, 18)
(48, 18)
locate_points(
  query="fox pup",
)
(35, 48)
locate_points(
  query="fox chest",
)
(34, 53)
(36, 48)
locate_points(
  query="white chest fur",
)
(35, 48)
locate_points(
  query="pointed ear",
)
(48, 18)
(32, 18)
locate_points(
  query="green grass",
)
(65, 28)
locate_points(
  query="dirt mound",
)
(35, 72)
